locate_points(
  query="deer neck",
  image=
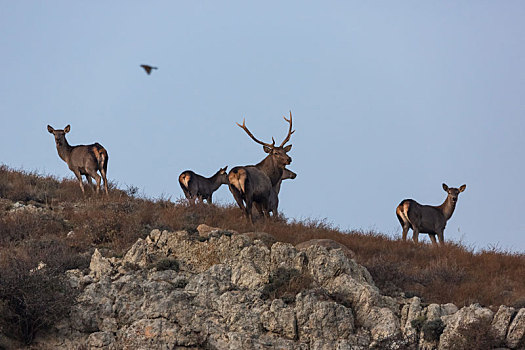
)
(215, 181)
(64, 150)
(447, 208)
(271, 168)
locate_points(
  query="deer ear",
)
(288, 148)
(462, 188)
(267, 149)
(225, 168)
(445, 187)
(50, 129)
(67, 128)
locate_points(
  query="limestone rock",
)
(500, 323)
(100, 266)
(264, 237)
(217, 297)
(516, 333)
(328, 244)
(466, 321)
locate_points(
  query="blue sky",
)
(390, 99)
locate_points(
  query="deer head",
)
(453, 193)
(278, 153)
(60, 135)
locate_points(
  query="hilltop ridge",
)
(46, 220)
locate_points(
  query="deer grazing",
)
(199, 187)
(427, 218)
(255, 183)
(82, 159)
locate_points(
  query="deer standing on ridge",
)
(196, 186)
(255, 183)
(274, 195)
(82, 159)
(427, 218)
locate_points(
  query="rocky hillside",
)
(217, 289)
(87, 272)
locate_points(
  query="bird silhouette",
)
(148, 68)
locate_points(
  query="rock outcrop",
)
(218, 289)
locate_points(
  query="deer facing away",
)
(82, 159)
(254, 183)
(199, 187)
(427, 218)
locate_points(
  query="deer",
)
(199, 187)
(274, 195)
(254, 183)
(427, 218)
(84, 160)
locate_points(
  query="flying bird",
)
(147, 68)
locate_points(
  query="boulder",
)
(516, 333)
(468, 324)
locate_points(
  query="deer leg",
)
(441, 238)
(265, 209)
(405, 231)
(238, 197)
(415, 235)
(187, 194)
(433, 238)
(103, 172)
(79, 177)
(93, 173)
(249, 210)
(259, 208)
(208, 199)
(88, 178)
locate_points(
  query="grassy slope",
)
(453, 273)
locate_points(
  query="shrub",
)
(285, 284)
(432, 330)
(32, 299)
(167, 264)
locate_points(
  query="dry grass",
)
(453, 273)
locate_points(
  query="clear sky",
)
(390, 99)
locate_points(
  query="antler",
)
(243, 126)
(290, 132)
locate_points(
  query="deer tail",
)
(101, 155)
(184, 179)
(238, 179)
(402, 211)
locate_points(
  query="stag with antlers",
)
(254, 183)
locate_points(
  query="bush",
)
(32, 298)
(167, 264)
(286, 284)
(432, 330)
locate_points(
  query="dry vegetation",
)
(453, 273)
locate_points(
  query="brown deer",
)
(82, 159)
(199, 187)
(427, 218)
(274, 195)
(273, 201)
(254, 183)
